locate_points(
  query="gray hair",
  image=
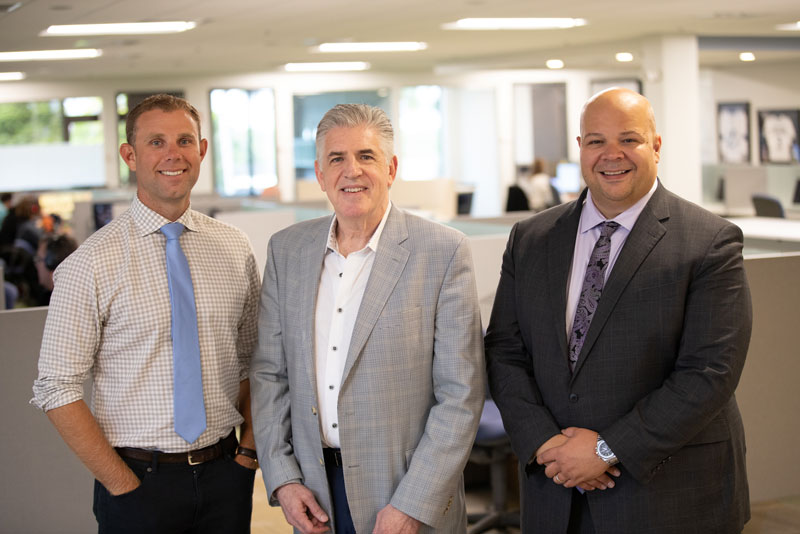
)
(355, 115)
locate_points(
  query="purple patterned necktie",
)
(590, 293)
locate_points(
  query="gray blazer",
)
(412, 389)
(656, 375)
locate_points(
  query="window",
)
(420, 132)
(54, 144)
(243, 136)
(308, 111)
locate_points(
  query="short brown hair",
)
(161, 101)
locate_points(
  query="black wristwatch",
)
(604, 452)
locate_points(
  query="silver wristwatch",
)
(603, 452)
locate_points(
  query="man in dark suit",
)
(629, 370)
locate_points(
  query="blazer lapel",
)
(311, 256)
(560, 248)
(647, 231)
(390, 261)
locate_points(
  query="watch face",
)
(604, 449)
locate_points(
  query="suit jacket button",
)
(573, 397)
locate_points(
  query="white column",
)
(671, 75)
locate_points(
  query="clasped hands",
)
(570, 459)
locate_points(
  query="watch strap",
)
(244, 451)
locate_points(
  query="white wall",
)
(765, 87)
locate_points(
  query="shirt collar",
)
(591, 216)
(148, 221)
(372, 244)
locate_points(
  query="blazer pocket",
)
(717, 430)
(408, 319)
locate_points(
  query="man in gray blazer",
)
(367, 382)
(634, 364)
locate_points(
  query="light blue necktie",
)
(190, 412)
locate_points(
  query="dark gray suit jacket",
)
(656, 375)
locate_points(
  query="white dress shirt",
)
(341, 289)
(588, 234)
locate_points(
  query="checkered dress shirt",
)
(110, 316)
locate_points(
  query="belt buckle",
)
(191, 461)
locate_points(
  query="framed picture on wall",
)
(627, 83)
(733, 132)
(778, 130)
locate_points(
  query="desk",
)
(768, 235)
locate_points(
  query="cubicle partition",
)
(47, 489)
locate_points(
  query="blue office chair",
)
(492, 447)
(767, 206)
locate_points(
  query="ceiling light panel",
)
(327, 66)
(407, 46)
(51, 55)
(514, 24)
(122, 28)
(11, 76)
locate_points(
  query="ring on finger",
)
(556, 479)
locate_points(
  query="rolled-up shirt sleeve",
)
(71, 335)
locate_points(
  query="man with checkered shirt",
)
(160, 437)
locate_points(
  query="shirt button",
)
(334, 348)
(339, 310)
(573, 397)
(330, 387)
(334, 425)
(340, 275)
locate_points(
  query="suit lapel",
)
(311, 256)
(560, 248)
(390, 261)
(647, 231)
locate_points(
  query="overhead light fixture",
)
(514, 24)
(747, 56)
(554, 64)
(794, 27)
(327, 66)
(624, 57)
(122, 28)
(407, 46)
(11, 76)
(51, 55)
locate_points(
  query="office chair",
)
(517, 200)
(767, 206)
(492, 447)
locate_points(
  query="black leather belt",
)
(332, 456)
(206, 454)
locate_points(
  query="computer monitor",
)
(796, 198)
(568, 178)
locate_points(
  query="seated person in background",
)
(5, 205)
(538, 189)
(52, 251)
(24, 212)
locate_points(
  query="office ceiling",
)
(261, 35)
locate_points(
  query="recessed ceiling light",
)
(409, 46)
(554, 64)
(123, 28)
(11, 76)
(794, 27)
(747, 56)
(624, 57)
(51, 55)
(514, 24)
(327, 66)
